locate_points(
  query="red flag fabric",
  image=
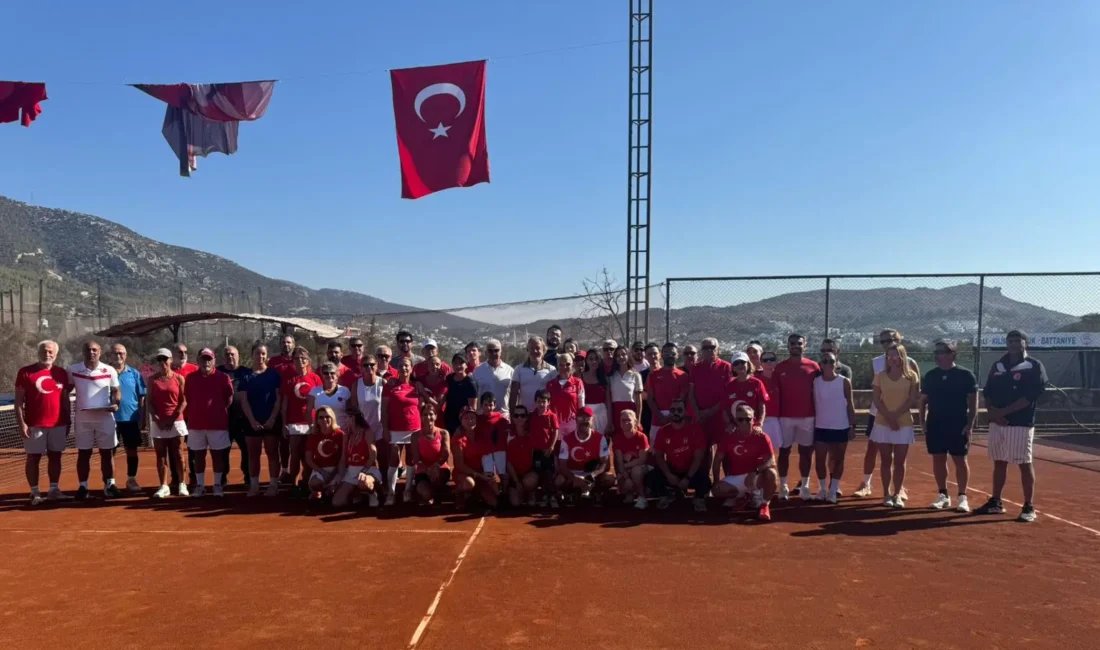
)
(439, 112)
(19, 101)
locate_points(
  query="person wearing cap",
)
(584, 461)
(1012, 391)
(949, 410)
(469, 479)
(531, 376)
(208, 394)
(238, 423)
(97, 395)
(553, 342)
(423, 368)
(665, 384)
(130, 416)
(743, 388)
(679, 454)
(578, 362)
(167, 404)
(494, 375)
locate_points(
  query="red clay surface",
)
(263, 573)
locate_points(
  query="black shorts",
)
(946, 440)
(444, 477)
(831, 436)
(130, 433)
(541, 462)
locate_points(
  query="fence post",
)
(98, 305)
(668, 311)
(828, 291)
(21, 310)
(41, 284)
(978, 343)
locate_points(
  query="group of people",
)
(648, 422)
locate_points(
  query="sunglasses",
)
(828, 362)
(768, 360)
(357, 345)
(405, 341)
(740, 362)
(709, 347)
(370, 365)
(674, 410)
(519, 416)
(329, 374)
(742, 419)
(383, 356)
(690, 354)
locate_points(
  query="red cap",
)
(465, 410)
(584, 410)
(207, 352)
(581, 354)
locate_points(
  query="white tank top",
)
(370, 403)
(830, 406)
(338, 402)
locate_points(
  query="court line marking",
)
(1037, 511)
(420, 629)
(215, 531)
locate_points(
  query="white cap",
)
(163, 352)
(430, 343)
(740, 356)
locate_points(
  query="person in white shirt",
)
(531, 376)
(332, 395)
(97, 395)
(624, 392)
(637, 357)
(494, 376)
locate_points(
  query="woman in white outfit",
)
(834, 414)
(332, 395)
(896, 393)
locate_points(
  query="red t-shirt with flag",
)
(579, 454)
(666, 385)
(542, 427)
(404, 406)
(631, 446)
(521, 453)
(745, 453)
(565, 398)
(208, 401)
(796, 385)
(491, 431)
(751, 392)
(679, 445)
(296, 393)
(325, 448)
(42, 391)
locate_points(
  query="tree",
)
(603, 302)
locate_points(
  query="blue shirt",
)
(132, 387)
(262, 390)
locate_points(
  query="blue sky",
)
(841, 137)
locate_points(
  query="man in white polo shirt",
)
(97, 395)
(494, 376)
(531, 376)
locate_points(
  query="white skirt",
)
(882, 434)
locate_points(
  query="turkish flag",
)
(440, 116)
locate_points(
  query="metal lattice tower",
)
(639, 157)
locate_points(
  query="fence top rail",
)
(883, 276)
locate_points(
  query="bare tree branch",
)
(601, 315)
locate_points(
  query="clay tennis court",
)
(262, 573)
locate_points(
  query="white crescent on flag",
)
(40, 384)
(301, 389)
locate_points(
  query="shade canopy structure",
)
(172, 323)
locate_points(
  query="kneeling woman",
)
(584, 460)
(324, 449)
(429, 454)
(631, 455)
(358, 469)
(746, 456)
(468, 477)
(400, 418)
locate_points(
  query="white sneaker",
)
(863, 491)
(132, 486)
(822, 494)
(253, 489)
(903, 495)
(55, 494)
(898, 503)
(963, 505)
(832, 497)
(372, 500)
(36, 499)
(889, 501)
(641, 503)
(183, 491)
(200, 491)
(219, 491)
(162, 492)
(272, 489)
(942, 501)
(784, 493)
(390, 499)
(804, 492)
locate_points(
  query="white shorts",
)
(351, 475)
(200, 440)
(297, 429)
(95, 432)
(43, 439)
(495, 463)
(1010, 444)
(177, 430)
(323, 475)
(774, 432)
(738, 482)
(400, 437)
(882, 434)
(797, 431)
(599, 417)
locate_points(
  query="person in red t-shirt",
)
(179, 361)
(631, 456)
(679, 452)
(295, 411)
(748, 460)
(167, 403)
(284, 365)
(595, 391)
(566, 392)
(335, 354)
(491, 435)
(546, 435)
(400, 418)
(468, 477)
(664, 384)
(353, 361)
(358, 469)
(209, 394)
(584, 461)
(766, 374)
(709, 378)
(324, 448)
(430, 453)
(523, 480)
(42, 412)
(744, 388)
(795, 377)
(422, 369)
(433, 386)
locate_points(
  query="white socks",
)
(783, 482)
(867, 478)
(84, 484)
(821, 485)
(834, 485)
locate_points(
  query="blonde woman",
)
(324, 453)
(896, 393)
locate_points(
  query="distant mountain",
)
(140, 276)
